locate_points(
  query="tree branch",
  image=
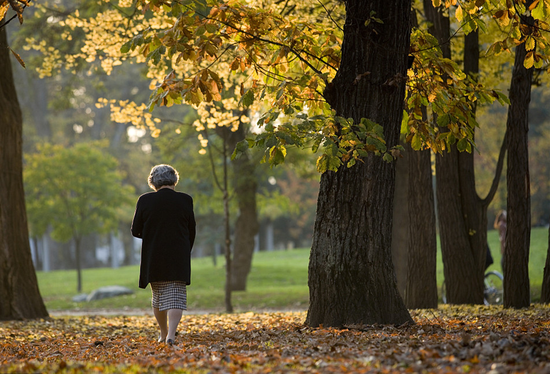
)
(498, 172)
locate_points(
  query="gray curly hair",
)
(162, 175)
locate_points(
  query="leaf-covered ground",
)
(450, 339)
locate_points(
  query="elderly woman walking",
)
(164, 219)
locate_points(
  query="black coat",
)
(165, 221)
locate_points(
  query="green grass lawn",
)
(278, 280)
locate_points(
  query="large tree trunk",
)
(518, 234)
(462, 265)
(247, 225)
(545, 292)
(351, 275)
(19, 294)
(414, 241)
(401, 223)
(421, 288)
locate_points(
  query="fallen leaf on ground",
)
(450, 339)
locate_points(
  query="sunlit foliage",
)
(268, 62)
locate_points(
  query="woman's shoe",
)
(170, 342)
(161, 340)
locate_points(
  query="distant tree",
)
(76, 191)
(19, 294)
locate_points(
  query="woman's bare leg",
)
(174, 318)
(162, 321)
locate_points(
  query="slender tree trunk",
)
(247, 225)
(462, 268)
(518, 234)
(127, 243)
(545, 292)
(78, 261)
(19, 294)
(421, 287)
(228, 303)
(467, 266)
(351, 275)
(474, 208)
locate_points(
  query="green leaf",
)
(334, 163)
(200, 30)
(247, 99)
(240, 149)
(502, 98)
(405, 123)
(277, 155)
(322, 163)
(176, 9)
(155, 44)
(416, 142)
(126, 47)
(287, 138)
(211, 28)
(462, 145)
(443, 120)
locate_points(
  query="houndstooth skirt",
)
(169, 295)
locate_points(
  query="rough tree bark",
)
(247, 225)
(518, 233)
(421, 287)
(351, 276)
(19, 294)
(473, 207)
(462, 213)
(401, 223)
(463, 280)
(414, 240)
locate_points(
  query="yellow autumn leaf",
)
(529, 60)
(530, 43)
(3, 9)
(459, 14)
(533, 4)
